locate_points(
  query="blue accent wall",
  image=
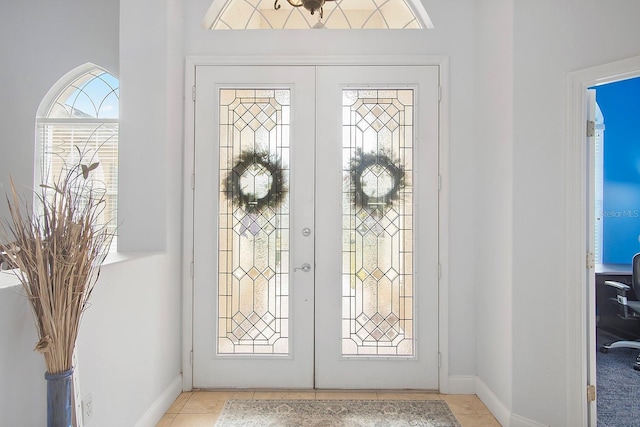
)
(620, 106)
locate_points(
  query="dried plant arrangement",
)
(57, 246)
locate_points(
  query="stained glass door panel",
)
(253, 243)
(377, 222)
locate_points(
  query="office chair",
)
(629, 309)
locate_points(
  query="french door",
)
(316, 227)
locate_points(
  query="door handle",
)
(306, 267)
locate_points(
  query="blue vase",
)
(59, 407)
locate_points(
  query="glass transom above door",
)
(349, 14)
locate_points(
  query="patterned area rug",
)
(336, 413)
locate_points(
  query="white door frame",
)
(580, 311)
(443, 197)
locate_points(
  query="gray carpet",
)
(336, 413)
(618, 386)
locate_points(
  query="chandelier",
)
(311, 5)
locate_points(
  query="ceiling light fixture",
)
(310, 5)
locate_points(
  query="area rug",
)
(336, 413)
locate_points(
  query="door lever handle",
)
(306, 267)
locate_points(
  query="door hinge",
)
(193, 93)
(439, 271)
(439, 182)
(591, 393)
(191, 358)
(193, 181)
(191, 270)
(590, 260)
(591, 128)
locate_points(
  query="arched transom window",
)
(336, 14)
(79, 125)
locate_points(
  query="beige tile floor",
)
(201, 408)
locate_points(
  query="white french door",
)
(316, 227)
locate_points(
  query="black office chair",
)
(629, 309)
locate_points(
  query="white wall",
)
(493, 199)
(152, 107)
(551, 39)
(22, 390)
(129, 345)
(130, 341)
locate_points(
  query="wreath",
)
(256, 182)
(364, 168)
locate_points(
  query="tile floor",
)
(201, 408)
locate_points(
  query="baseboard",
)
(461, 384)
(470, 384)
(162, 403)
(493, 403)
(518, 421)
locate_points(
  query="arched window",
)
(78, 122)
(338, 14)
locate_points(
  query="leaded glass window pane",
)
(253, 234)
(350, 14)
(95, 94)
(377, 222)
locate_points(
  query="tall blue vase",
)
(59, 407)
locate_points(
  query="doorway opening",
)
(616, 241)
(312, 263)
(580, 236)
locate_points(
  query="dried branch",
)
(57, 249)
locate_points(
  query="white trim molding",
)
(518, 421)
(493, 403)
(576, 186)
(159, 407)
(471, 384)
(187, 227)
(443, 217)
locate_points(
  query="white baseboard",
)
(470, 384)
(493, 403)
(518, 421)
(162, 403)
